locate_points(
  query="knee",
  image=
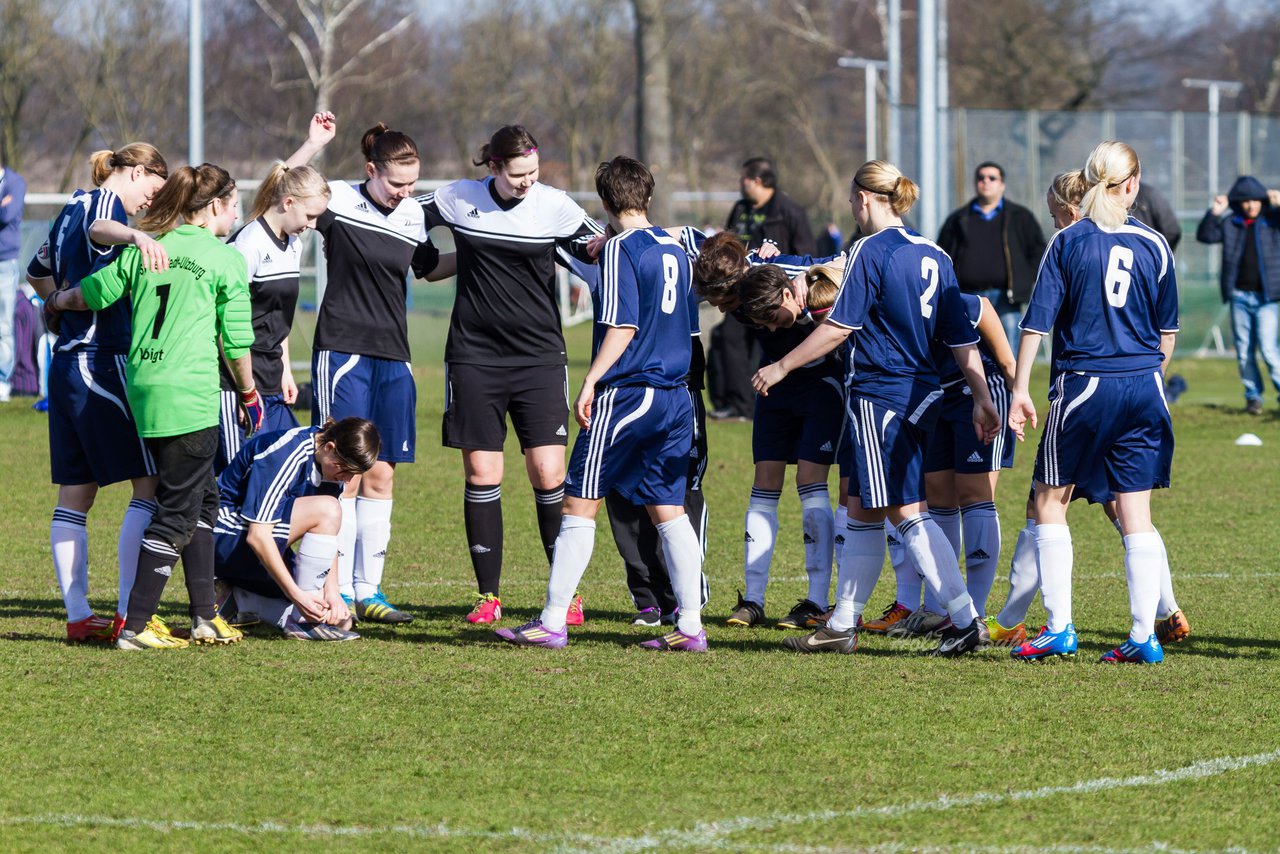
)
(328, 517)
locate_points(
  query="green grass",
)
(434, 737)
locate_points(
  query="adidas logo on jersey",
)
(362, 207)
(747, 538)
(473, 214)
(975, 457)
(562, 431)
(480, 550)
(826, 446)
(977, 554)
(266, 259)
(808, 540)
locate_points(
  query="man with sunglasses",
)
(996, 247)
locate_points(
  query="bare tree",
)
(653, 102)
(26, 36)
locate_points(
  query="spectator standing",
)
(1246, 221)
(13, 193)
(1153, 209)
(996, 247)
(763, 213)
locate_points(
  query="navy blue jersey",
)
(779, 342)
(900, 293)
(269, 469)
(1107, 294)
(949, 372)
(646, 282)
(69, 255)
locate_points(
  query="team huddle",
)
(172, 370)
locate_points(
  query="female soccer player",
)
(172, 381)
(505, 353)
(268, 502)
(799, 423)
(93, 440)
(1110, 294)
(373, 236)
(634, 409)
(900, 293)
(288, 202)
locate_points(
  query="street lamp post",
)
(1217, 88)
(195, 82)
(869, 67)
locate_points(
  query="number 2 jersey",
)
(178, 316)
(899, 294)
(1107, 295)
(68, 256)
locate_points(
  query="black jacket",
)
(1023, 245)
(780, 219)
(1154, 209)
(1229, 230)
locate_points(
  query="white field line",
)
(1100, 576)
(892, 848)
(703, 835)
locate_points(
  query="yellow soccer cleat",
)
(216, 630)
(1000, 636)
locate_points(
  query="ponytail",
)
(355, 441)
(104, 162)
(885, 179)
(1108, 168)
(188, 192)
(299, 182)
(383, 146)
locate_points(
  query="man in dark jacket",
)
(1246, 221)
(1153, 209)
(996, 247)
(763, 213)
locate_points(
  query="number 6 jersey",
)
(1107, 295)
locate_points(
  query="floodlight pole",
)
(1216, 88)
(195, 82)
(893, 49)
(869, 67)
(927, 143)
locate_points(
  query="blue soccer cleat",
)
(1048, 644)
(1130, 652)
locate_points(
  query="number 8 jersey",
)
(1107, 295)
(899, 294)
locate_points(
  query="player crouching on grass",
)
(267, 501)
(636, 434)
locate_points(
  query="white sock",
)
(947, 519)
(1054, 557)
(574, 543)
(909, 583)
(684, 563)
(860, 568)
(347, 549)
(982, 551)
(1168, 605)
(136, 519)
(314, 560)
(1024, 578)
(373, 534)
(931, 553)
(819, 540)
(757, 542)
(69, 540)
(1143, 555)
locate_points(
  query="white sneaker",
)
(5, 391)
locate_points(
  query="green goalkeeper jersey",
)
(178, 315)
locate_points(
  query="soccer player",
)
(289, 201)
(899, 293)
(505, 353)
(799, 423)
(634, 409)
(267, 502)
(373, 236)
(178, 317)
(1108, 290)
(93, 439)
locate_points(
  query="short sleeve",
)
(1167, 300)
(105, 205)
(1050, 289)
(957, 317)
(39, 267)
(619, 294)
(425, 258)
(857, 290)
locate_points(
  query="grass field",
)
(434, 737)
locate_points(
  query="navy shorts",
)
(638, 446)
(379, 390)
(888, 455)
(954, 444)
(236, 563)
(1106, 431)
(478, 398)
(92, 435)
(799, 423)
(277, 415)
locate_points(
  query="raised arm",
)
(323, 127)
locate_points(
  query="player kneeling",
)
(267, 502)
(634, 409)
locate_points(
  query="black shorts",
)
(478, 398)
